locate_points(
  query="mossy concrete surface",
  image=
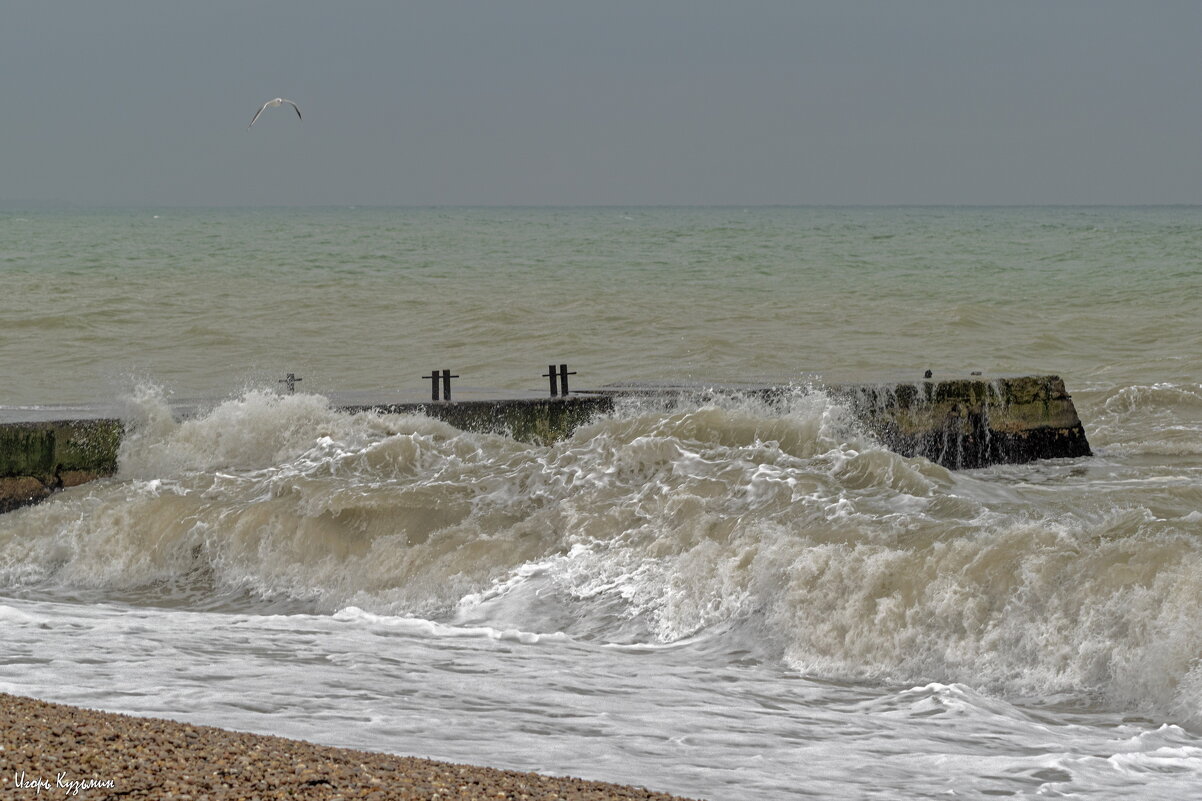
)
(969, 423)
(39, 458)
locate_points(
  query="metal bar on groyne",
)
(958, 423)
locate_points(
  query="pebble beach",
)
(52, 750)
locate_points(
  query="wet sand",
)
(56, 751)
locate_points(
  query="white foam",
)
(11, 614)
(646, 529)
(430, 628)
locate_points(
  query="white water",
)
(684, 718)
(713, 601)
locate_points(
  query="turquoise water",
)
(721, 599)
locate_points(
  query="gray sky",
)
(614, 102)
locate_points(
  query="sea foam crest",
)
(779, 526)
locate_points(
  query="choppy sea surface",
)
(719, 599)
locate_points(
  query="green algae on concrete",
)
(39, 458)
(969, 423)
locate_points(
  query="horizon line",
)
(30, 203)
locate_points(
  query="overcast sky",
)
(609, 102)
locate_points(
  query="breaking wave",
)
(786, 535)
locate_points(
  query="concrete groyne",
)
(969, 423)
(38, 458)
(959, 423)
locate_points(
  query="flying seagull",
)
(279, 101)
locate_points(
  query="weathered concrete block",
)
(969, 423)
(18, 491)
(540, 420)
(38, 458)
(44, 450)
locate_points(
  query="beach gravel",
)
(51, 750)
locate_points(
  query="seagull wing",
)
(298, 116)
(260, 111)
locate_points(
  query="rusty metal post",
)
(551, 374)
(289, 382)
(433, 384)
(563, 378)
(446, 384)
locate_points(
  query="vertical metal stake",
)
(563, 377)
(446, 384)
(289, 382)
(551, 374)
(433, 384)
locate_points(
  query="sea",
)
(716, 598)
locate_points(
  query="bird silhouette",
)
(279, 101)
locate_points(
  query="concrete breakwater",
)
(958, 423)
(38, 458)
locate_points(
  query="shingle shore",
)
(55, 751)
